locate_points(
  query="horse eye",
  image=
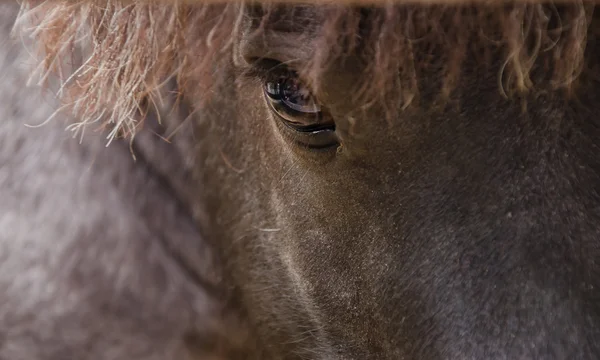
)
(295, 105)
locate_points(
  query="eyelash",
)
(267, 70)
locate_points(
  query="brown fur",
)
(432, 232)
(130, 50)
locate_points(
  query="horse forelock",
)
(129, 50)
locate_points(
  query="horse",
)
(335, 180)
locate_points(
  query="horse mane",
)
(113, 57)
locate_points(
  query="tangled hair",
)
(122, 52)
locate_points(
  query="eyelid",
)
(270, 70)
(285, 48)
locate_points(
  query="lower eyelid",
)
(319, 140)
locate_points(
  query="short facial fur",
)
(456, 219)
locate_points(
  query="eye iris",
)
(297, 97)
